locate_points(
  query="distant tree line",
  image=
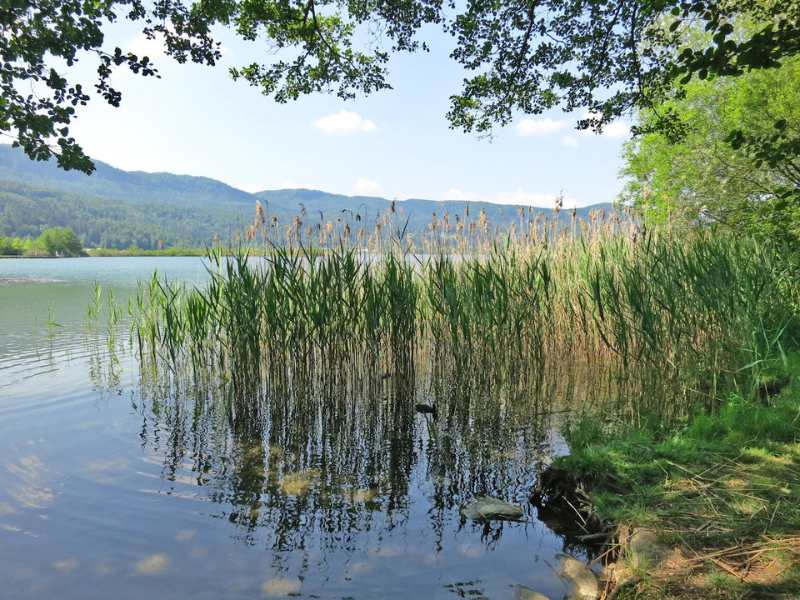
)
(194, 214)
(54, 241)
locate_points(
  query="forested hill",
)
(117, 209)
(109, 182)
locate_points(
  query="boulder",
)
(525, 593)
(583, 580)
(484, 508)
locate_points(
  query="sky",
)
(395, 144)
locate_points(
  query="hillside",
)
(111, 223)
(112, 183)
(116, 209)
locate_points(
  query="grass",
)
(723, 491)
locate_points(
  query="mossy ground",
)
(723, 492)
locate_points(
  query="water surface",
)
(114, 489)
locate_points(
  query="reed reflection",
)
(327, 463)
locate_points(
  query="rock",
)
(645, 549)
(524, 593)
(484, 508)
(583, 580)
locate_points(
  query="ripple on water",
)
(118, 489)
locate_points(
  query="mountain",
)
(112, 183)
(117, 209)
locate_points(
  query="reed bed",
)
(651, 323)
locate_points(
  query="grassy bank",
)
(722, 493)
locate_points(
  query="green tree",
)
(704, 176)
(59, 241)
(13, 246)
(607, 56)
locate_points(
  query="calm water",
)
(110, 489)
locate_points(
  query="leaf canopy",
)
(606, 57)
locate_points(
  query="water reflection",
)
(340, 473)
(113, 484)
(332, 493)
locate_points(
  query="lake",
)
(111, 489)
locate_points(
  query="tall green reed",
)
(650, 323)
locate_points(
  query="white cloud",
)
(537, 127)
(617, 129)
(344, 122)
(544, 127)
(366, 187)
(458, 194)
(569, 141)
(523, 198)
(614, 130)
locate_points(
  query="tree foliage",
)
(53, 241)
(60, 241)
(704, 176)
(520, 56)
(14, 246)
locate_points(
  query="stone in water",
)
(485, 508)
(584, 581)
(525, 593)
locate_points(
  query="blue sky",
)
(395, 144)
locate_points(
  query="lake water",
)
(110, 491)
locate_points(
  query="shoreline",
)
(182, 253)
(709, 509)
